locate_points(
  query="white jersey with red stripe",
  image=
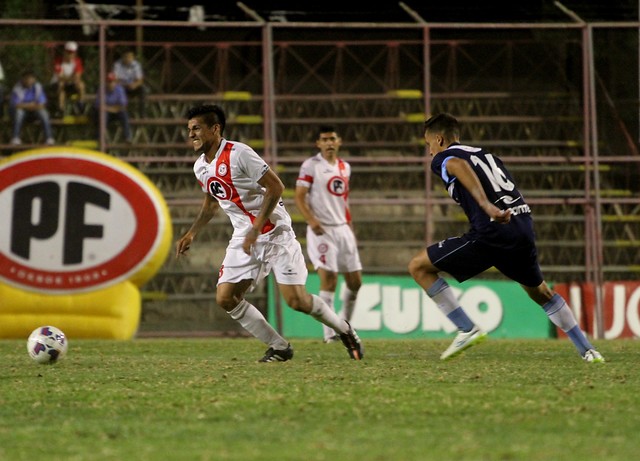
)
(328, 189)
(232, 179)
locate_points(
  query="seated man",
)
(28, 102)
(129, 73)
(67, 77)
(115, 107)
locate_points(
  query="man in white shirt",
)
(233, 177)
(322, 191)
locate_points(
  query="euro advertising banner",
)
(620, 309)
(395, 307)
(81, 231)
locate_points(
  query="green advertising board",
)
(396, 307)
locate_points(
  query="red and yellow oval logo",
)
(78, 220)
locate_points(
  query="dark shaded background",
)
(353, 11)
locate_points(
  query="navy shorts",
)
(464, 257)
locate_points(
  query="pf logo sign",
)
(76, 223)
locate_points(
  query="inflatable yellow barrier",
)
(111, 313)
(82, 232)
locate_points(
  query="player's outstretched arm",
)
(207, 212)
(468, 178)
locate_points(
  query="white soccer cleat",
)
(593, 356)
(463, 341)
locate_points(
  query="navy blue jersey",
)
(501, 190)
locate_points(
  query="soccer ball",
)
(47, 344)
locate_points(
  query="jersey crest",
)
(221, 186)
(337, 185)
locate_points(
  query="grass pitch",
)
(208, 399)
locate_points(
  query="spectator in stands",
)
(501, 236)
(28, 102)
(322, 189)
(235, 178)
(115, 107)
(67, 78)
(129, 73)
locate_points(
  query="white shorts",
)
(336, 250)
(280, 254)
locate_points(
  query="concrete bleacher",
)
(382, 139)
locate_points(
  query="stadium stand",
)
(374, 89)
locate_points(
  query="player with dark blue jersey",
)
(501, 236)
(498, 185)
(490, 241)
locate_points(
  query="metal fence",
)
(558, 102)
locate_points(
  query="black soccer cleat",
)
(273, 355)
(353, 344)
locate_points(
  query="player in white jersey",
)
(233, 177)
(322, 192)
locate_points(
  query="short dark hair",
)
(210, 114)
(443, 123)
(325, 129)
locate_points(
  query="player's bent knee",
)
(541, 294)
(228, 303)
(355, 286)
(414, 266)
(295, 302)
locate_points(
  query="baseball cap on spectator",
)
(71, 46)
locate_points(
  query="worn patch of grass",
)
(208, 399)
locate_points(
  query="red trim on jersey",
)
(308, 178)
(78, 67)
(235, 197)
(342, 168)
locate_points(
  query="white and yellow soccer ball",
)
(47, 344)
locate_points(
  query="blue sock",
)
(437, 287)
(561, 315)
(579, 339)
(446, 301)
(460, 319)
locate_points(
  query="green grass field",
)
(208, 399)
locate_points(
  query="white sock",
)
(323, 313)
(348, 304)
(252, 320)
(443, 296)
(562, 316)
(559, 313)
(327, 297)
